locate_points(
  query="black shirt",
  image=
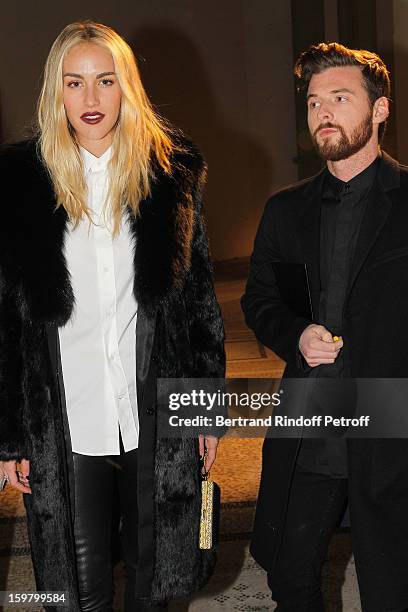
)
(343, 207)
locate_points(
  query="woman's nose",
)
(91, 96)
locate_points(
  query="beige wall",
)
(221, 70)
(401, 76)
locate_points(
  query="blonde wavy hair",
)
(139, 132)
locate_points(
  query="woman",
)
(103, 241)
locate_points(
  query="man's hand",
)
(210, 443)
(18, 479)
(317, 346)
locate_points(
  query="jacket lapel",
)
(163, 235)
(164, 229)
(145, 335)
(309, 236)
(376, 213)
(47, 294)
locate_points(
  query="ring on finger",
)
(3, 480)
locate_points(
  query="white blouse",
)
(98, 344)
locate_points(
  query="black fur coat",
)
(179, 334)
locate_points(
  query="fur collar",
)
(33, 233)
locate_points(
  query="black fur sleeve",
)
(12, 426)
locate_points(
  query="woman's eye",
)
(73, 84)
(107, 82)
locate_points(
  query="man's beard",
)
(346, 146)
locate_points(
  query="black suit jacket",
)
(375, 333)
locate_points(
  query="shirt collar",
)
(358, 184)
(93, 163)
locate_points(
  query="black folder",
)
(293, 285)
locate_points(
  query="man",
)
(349, 226)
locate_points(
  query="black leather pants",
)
(98, 481)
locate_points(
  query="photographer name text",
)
(269, 421)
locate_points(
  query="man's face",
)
(340, 115)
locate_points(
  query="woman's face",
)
(92, 95)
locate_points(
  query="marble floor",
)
(239, 583)
(246, 357)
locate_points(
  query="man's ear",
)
(381, 110)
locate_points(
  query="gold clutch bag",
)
(210, 512)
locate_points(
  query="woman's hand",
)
(18, 479)
(210, 444)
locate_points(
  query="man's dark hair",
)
(334, 55)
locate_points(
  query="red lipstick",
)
(92, 117)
